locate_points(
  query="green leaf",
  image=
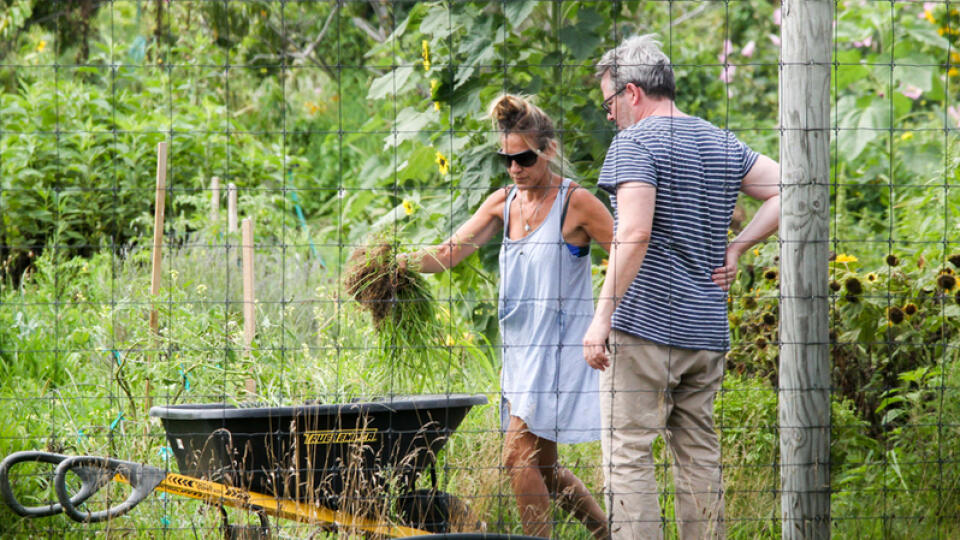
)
(419, 166)
(927, 35)
(916, 70)
(390, 83)
(483, 54)
(409, 123)
(582, 38)
(517, 11)
(849, 70)
(438, 23)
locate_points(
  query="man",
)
(673, 180)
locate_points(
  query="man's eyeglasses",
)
(606, 103)
(523, 159)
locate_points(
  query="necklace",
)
(526, 224)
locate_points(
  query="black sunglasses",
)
(606, 103)
(523, 159)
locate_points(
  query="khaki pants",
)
(651, 390)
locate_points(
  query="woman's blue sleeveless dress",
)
(546, 305)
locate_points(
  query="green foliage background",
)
(369, 118)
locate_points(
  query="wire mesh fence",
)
(214, 210)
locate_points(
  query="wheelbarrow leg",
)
(245, 532)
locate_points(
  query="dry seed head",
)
(853, 286)
(946, 282)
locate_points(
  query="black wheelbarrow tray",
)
(334, 465)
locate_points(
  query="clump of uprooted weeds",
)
(397, 298)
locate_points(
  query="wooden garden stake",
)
(231, 208)
(160, 200)
(158, 232)
(214, 199)
(249, 301)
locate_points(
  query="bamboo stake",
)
(231, 208)
(214, 199)
(249, 299)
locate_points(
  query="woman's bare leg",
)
(520, 458)
(536, 477)
(574, 498)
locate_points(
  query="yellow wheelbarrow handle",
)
(95, 472)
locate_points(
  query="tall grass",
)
(68, 388)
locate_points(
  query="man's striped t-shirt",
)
(697, 169)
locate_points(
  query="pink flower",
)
(775, 39)
(911, 92)
(776, 17)
(726, 74)
(748, 49)
(727, 49)
(954, 112)
(866, 43)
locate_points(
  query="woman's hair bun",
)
(509, 111)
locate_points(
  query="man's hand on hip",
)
(726, 274)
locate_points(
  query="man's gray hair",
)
(641, 61)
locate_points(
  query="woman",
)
(546, 304)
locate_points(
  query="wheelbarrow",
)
(333, 465)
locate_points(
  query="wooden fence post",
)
(249, 297)
(804, 393)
